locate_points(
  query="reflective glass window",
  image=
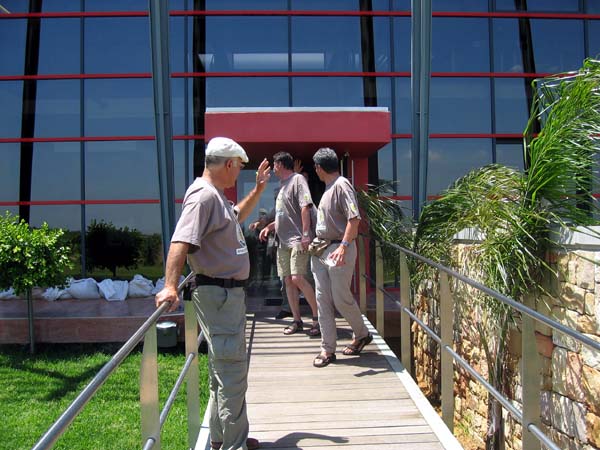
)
(52, 160)
(121, 170)
(402, 105)
(381, 44)
(326, 5)
(541, 5)
(467, 51)
(116, 5)
(459, 5)
(12, 46)
(592, 6)
(557, 45)
(252, 91)
(510, 154)
(402, 43)
(246, 44)
(385, 165)
(67, 217)
(511, 108)
(460, 105)
(246, 5)
(177, 45)
(10, 155)
(178, 105)
(450, 159)
(57, 108)
(143, 217)
(11, 99)
(182, 159)
(403, 167)
(117, 45)
(246, 182)
(401, 5)
(119, 107)
(593, 38)
(384, 93)
(60, 48)
(22, 6)
(326, 44)
(327, 91)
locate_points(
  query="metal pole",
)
(530, 377)
(415, 85)
(405, 342)
(149, 408)
(379, 305)
(159, 41)
(30, 316)
(425, 48)
(361, 272)
(193, 378)
(447, 366)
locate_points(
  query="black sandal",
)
(322, 361)
(315, 330)
(296, 326)
(357, 348)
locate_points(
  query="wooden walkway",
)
(359, 402)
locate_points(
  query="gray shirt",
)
(209, 224)
(294, 195)
(338, 205)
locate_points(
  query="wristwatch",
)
(305, 234)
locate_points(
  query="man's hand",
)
(298, 166)
(168, 295)
(264, 233)
(263, 174)
(338, 256)
(306, 240)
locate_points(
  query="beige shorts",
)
(291, 261)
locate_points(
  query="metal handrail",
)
(62, 423)
(503, 298)
(531, 313)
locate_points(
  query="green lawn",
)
(35, 390)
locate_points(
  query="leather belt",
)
(227, 283)
(336, 241)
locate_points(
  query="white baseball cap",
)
(222, 146)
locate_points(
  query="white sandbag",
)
(7, 295)
(86, 288)
(140, 287)
(113, 290)
(54, 293)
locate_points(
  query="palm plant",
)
(516, 212)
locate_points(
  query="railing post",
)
(447, 366)
(193, 376)
(530, 377)
(362, 269)
(379, 306)
(405, 341)
(149, 408)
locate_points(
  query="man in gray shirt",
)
(208, 234)
(293, 225)
(338, 219)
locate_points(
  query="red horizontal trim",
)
(289, 74)
(476, 135)
(489, 74)
(324, 13)
(77, 139)
(395, 197)
(74, 76)
(149, 201)
(515, 15)
(189, 137)
(401, 136)
(74, 14)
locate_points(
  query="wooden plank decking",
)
(359, 402)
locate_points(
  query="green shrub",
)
(31, 256)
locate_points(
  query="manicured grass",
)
(36, 389)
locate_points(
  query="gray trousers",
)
(222, 315)
(332, 286)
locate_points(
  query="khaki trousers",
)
(222, 316)
(332, 286)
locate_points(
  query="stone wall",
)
(569, 371)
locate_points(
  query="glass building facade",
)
(77, 122)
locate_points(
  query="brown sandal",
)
(315, 330)
(322, 361)
(296, 326)
(358, 347)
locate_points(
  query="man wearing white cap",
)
(208, 234)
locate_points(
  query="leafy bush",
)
(31, 257)
(110, 247)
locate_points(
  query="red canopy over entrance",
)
(359, 132)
